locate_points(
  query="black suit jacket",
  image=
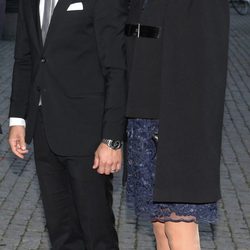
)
(79, 73)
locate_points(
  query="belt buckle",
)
(138, 30)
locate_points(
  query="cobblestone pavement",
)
(21, 216)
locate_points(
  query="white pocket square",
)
(75, 6)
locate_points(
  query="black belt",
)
(138, 30)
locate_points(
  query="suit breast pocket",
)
(76, 16)
(77, 6)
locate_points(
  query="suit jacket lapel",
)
(61, 6)
(36, 16)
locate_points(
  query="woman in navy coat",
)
(177, 60)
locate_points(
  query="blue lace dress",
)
(140, 182)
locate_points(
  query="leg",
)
(63, 227)
(160, 236)
(183, 235)
(93, 199)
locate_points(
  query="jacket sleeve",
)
(109, 22)
(22, 69)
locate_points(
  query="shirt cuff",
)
(15, 121)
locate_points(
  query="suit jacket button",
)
(43, 60)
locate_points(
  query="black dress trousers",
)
(77, 200)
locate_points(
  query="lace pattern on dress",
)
(141, 168)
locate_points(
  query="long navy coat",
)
(194, 45)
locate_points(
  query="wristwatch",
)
(114, 144)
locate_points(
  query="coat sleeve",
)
(109, 21)
(22, 69)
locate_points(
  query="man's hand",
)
(17, 141)
(107, 160)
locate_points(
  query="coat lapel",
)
(61, 6)
(36, 18)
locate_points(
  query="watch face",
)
(116, 144)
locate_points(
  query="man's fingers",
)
(22, 150)
(109, 160)
(17, 141)
(118, 166)
(107, 171)
(19, 155)
(98, 165)
(107, 166)
(23, 144)
(101, 170)
(96, 162)
(104, 167)
(13, 145)
(110, 168)
(16, 148)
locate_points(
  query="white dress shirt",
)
(16, 121)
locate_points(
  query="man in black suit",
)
(68, 94)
